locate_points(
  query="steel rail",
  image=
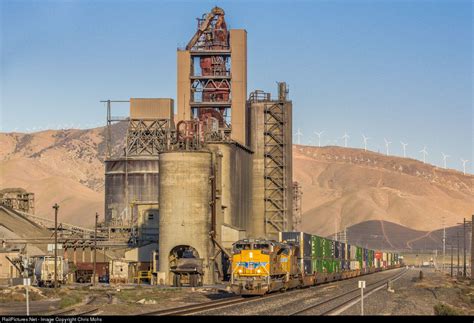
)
(325, 302)
(75, 310)
(212, 305)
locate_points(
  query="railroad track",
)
(214, 305)
(80, 310)
(326, 307)
(237, 300)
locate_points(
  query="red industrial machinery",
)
(213, 83)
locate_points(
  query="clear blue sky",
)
(395, 69)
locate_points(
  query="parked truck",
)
(186, 268)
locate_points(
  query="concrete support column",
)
(74, 256)
(83, 254)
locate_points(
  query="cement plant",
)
(203, 213)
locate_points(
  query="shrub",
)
(445, 310)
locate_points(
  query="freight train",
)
(300, 259)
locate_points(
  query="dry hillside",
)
(342, 186)
(59, 166)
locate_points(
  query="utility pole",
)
(457, 270)
(95, 248)
(451, 260)
(444, 242)
(55, 207)
(26, 283)
(464, 248)
(464, 224)
(472, 248)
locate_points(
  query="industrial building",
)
(217, 171)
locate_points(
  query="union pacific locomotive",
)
(298, 259)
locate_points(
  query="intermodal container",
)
(355, 265)
(328, 248)
(317, 265)
(317, 247)
(337, 247)
(307, 266)
(302, 239)
(352, 252)
(343, 251)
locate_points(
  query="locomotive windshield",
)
(242, 246)
(261, 246)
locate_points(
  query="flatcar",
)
(299, 259)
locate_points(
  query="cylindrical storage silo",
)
(129, 180)
(185, 209)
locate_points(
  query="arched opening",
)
(185, 266)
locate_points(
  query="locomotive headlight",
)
(258, 271)
(251, 254)
(240, 271)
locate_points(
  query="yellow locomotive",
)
(260, 266)
(300, 259)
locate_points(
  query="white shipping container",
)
(353, 252)
(355, 265)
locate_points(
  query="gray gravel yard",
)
(414, 297)
(285, 303)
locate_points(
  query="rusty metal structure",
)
(18, 199)
(272, 175)
(220, 172)
(210, 75)
(276, 186)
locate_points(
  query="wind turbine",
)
(404, 145)
(298, 134)
(345, 137)
(319, 134)
(365, 141)
(464, 161)
(424, 152)
(444, 159)
(386, 144)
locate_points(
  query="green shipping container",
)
(316, 247)
(337, 266)
(318, 265)
(359, 254)
(371, 258)
(328, 265)
(327, 248)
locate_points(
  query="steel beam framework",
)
(275, 172)
(24, 202)
(146, 137)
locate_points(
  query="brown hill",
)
(63, 166)
(385, 235)
(343, 187)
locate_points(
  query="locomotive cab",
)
(261, 266)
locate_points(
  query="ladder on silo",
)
(275, 168)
